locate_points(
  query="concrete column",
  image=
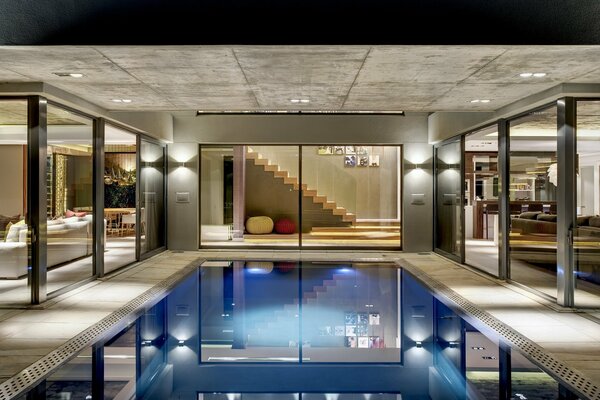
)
(239, 191)
(183, 187)
(417, 195)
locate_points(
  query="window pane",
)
(351, 196)
(152, 229)
(587, 233)
(119, 197)
(532, 192)
(249, 195)
(448, 208)
(69, 178)
(481, 200)
(14, 245)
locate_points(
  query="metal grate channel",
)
(558, 370)
(112, 324)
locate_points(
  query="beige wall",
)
(11, 179)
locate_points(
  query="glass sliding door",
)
(69, 200)
(249, 195)
(120, 176)
(587, 230)
(481, 200)
(532, 187)
(152, 196)
(14, 245)
(448, 187)
(351, 196)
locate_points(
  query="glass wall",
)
(14, 244)
(481, 200)
(351, 196)
(69, 199)
(120, 176)
(448, 189)
(587, 231)
(152, 196)
(532, 190)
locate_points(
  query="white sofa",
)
(68, 239)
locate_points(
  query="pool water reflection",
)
(243, 330)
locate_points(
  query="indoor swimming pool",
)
(246, 330)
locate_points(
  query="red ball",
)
(285, 226)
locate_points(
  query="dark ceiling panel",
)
(300, 22)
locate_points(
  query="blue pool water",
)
(244, 330)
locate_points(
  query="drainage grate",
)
(555, 368)
(35, 373)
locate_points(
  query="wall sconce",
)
(453, 345)
(180, 343)
(146, 343)
(419, 344)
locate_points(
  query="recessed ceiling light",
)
(485, 101)
(126, 100)
(304, 101)
(532, 74)
(295, 100)
(121, 100)
(475, 101)
(69, 74)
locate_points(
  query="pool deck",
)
(571, 337)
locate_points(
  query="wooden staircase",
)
(306, 192)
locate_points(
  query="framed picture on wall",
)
(361, 149)
(363, 161)
(374, 161)
(374, 318)
(350, 161)
(338, 150)
(325, 150)
(350, 150)
(350, 341)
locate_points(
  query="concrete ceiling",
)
(378, 78)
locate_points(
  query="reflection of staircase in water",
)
(323, 306)
(353, 229)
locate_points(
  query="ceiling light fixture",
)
(69, 74)
(121, 100)
(303, 101)
(480, 101)
(295, 100)
(526, 75)
(539, 74)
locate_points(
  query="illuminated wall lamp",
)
(419, 344)
(180, 343)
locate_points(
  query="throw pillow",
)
(547, 217)
(583, 220)
(80, 214)
(6, 219)
(595, 222)
(69, 213)
(529, 215)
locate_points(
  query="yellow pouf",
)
(259, 225)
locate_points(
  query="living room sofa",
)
(68, 240)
